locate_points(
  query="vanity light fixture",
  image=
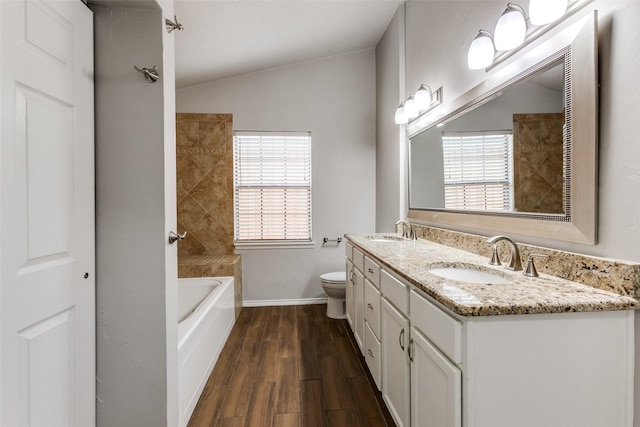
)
(422, 98)
(511, 28)
(482, 51)
(543, 12)
(410, 108)
(401, 117)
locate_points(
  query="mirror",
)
(517, 153)
(503, 155)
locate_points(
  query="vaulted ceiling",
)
(225, 38)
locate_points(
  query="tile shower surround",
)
(620, 277)
(204, 169)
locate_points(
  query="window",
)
(272, 182)
(478, 170)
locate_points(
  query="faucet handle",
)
(495, 259)
(531, 271)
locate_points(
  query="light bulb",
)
(422, 98)
(410, 109)
(481, 51)
(401, 117)
(511, 28)
(542, 12)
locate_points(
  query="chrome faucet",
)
(514, 263)
(407, 229)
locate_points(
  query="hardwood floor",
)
(290, 366)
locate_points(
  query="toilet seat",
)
(334, 285)
(336, 277)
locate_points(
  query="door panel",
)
(395, 363)
(47, 231)
(436, 386)
(45, 136)
(48, 358)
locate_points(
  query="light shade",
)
(422, 98)
(401, 117)
(542, 12)
(410, 109)
(481, 51)
(511, 28)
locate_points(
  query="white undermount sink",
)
(468, 275)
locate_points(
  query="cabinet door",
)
(436, 399)
(395, 363)
(358, 302)
(349, 295)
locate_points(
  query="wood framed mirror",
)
(525, 204)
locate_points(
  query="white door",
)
(436, 386)
(395, 363)
(47, 305)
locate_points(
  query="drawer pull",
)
(370, 270)
(369, 306)
(351, 273)
(370, 353)
(401, 339)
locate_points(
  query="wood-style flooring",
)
(290, 366)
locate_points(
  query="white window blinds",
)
(272, 182)
(478, 170)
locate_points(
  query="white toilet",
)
(335, 284)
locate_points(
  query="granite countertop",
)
(411, 259)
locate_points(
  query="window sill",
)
(274, 245)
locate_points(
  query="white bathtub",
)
(206, 315)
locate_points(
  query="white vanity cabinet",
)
(349, 295)
(372, 313)
(354, 294)
(436, 382)
(436, 368)
(395, 363)
(421, 386)
(350, 308)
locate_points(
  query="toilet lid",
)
(335, 277)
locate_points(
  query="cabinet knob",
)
(370, 270)
(370, 353)
(369, 306)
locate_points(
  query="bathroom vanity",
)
(502, 350)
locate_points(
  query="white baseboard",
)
(273, 302)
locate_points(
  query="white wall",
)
(334, 98)
(390, 200)
(438, 34)
(136, 285)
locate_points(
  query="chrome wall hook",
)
(171, 25)
(174, 237)
(151, 74)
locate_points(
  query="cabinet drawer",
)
(372, 354)
(441, 329)
(372, 307)
(348, 250)
(358, 259)
(372, 271)
(395, 291)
